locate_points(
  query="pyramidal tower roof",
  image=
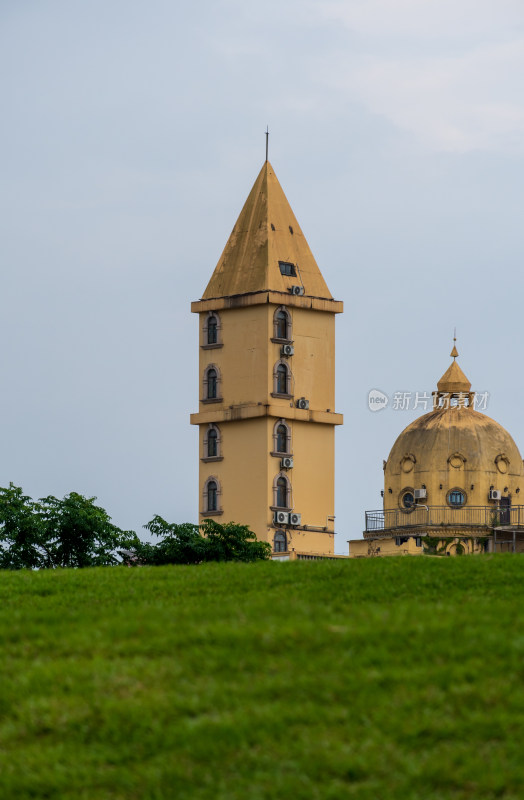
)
(265, 234)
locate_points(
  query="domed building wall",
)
(453, 449)
(453, 482)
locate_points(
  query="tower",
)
(267, 381)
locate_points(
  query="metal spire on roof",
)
(267, 140)
(454, 352)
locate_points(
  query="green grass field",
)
(396, 678)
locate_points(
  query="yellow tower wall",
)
(314, 359)
(246, 471)
(312, 477)
(242, 477)
(246, 365)
(242, 359)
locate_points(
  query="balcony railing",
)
(426, 516)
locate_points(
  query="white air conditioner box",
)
(302, 403)
(287, 350)
(297, 289)
(295, 519)
(281, 518)
(420, 494)
(286, 462)
(494, 494)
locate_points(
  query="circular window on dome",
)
(407, 500)
(456, 498)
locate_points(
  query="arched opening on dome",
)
(456, 498)
(407, 499)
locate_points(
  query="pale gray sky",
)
(131, 135)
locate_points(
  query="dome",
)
(453, 452)
(458, 431)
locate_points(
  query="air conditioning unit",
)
(494, 494)
(295, 519)
(287, 350)
(286, 462)
(297, 290)
(420, 494)
(302, 402)
(281, 518)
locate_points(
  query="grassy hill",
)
(396, 678)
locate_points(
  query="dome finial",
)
(454, 381)
(454, 352)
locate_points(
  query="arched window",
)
(212, 330)
(281, 437)
(282, 324)
(212, 442)
(211, 496)
(281, 378)
(211, 383)
(280, 542)
(282, 491)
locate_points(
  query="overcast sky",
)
(131, 135)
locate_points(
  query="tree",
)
(72, 532)
(22, 534)
(232, 542)
(180, 543)
(192, 544)
(81, 534)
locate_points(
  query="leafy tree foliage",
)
(232, 542)
(72, 532)
(193, 544)
(180, 544)
(81, 534)
(22, 535)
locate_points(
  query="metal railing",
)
(424, 516)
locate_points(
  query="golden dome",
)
(434, 438)
(453, 448)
